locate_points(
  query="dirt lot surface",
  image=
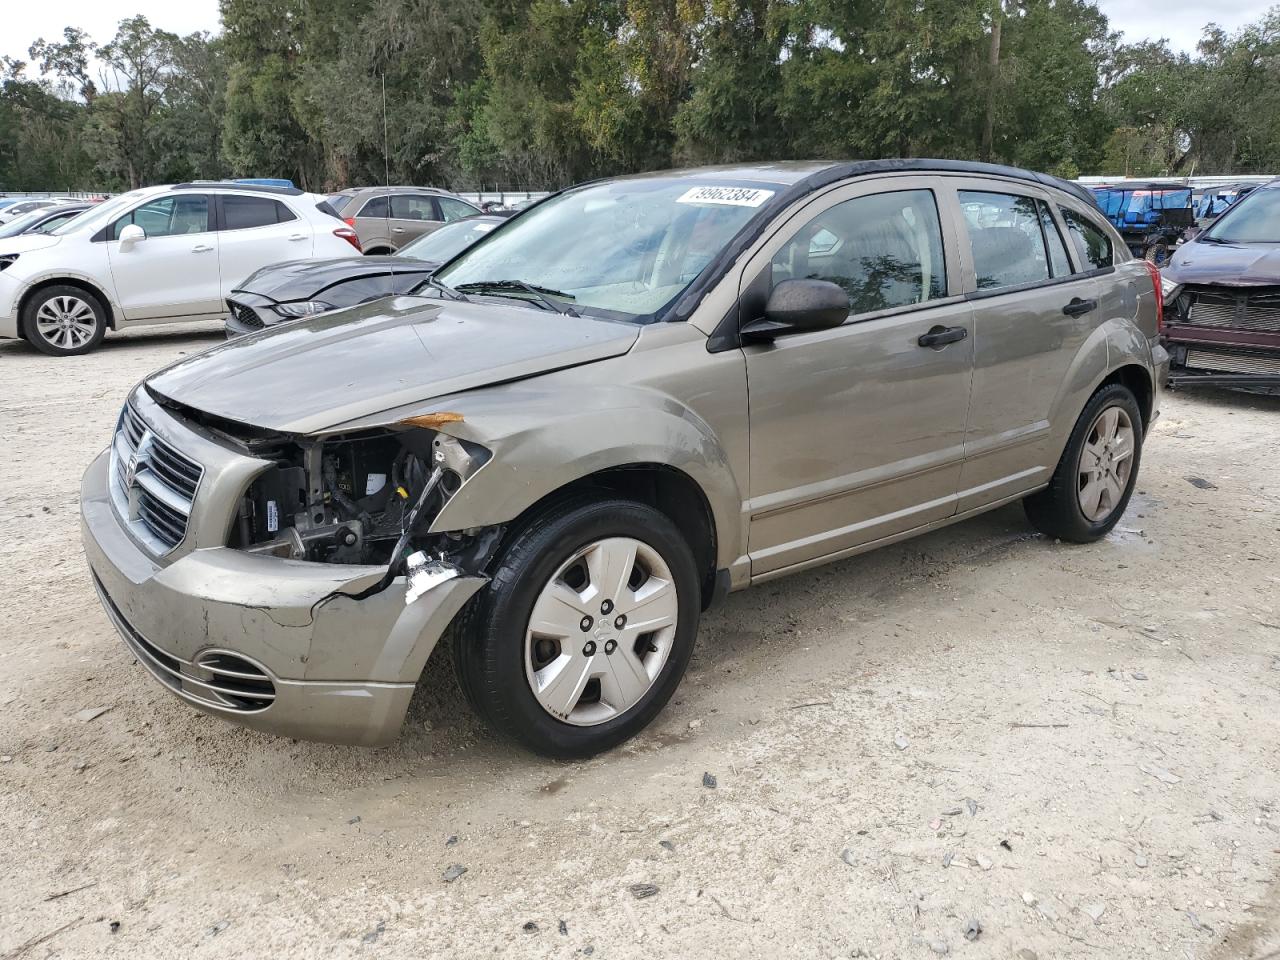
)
(1079, 747)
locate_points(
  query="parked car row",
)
(596, 420)
(69, 271)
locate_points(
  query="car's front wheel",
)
(585, 630)
(1091, 486)
(63, 320)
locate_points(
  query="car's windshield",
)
(628, 248)
(1252, 219)
(98, 216)
(22, 224)
(447, 242)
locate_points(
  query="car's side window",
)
(1005, 237)
(1092, 244)
(1059, 264)
(885, 250)
(168, 216)
(244, 213)
(377, 207)
(411, 206)
(451, 209)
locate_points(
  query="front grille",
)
(217, 679)
(1240, 309)
(246, 315)
(1233, 361)
(152, 485)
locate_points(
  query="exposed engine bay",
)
(364, 498)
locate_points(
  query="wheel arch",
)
(1138, 379)
(665, 488)
(64, 281)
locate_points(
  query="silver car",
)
(387, 218)
(635, 397)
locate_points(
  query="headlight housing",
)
(302, 308)
(1169, 288)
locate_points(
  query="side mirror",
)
(132, 234)
(797, 306)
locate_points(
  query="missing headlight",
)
(361, 498)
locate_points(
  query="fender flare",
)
(544, 439)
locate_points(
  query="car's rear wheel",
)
(1091, 486)
(63, 320)
(585, 630)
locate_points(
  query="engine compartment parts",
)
(360, 498)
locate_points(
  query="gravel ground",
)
(1075, 746)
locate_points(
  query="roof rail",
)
(245, 187)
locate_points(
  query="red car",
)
(1222, 321)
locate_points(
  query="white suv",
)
(156, 255)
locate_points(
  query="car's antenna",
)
(386, 150)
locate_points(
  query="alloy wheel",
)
(601, 631)
(66, 322)
(1106, 461)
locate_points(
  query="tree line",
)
(543, 93)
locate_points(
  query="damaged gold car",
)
(630, 399)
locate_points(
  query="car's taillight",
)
(1158, 284)
(349, 221)
(349, 235)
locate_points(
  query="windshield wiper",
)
(544, 294)
(444, 288)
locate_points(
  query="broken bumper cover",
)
(282, 646)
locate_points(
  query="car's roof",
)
(802, 176)
(353, 191)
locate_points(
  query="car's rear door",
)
(256, 231)
(1033, 311)
(371, 220)
(412, 215)
(857, 432)
(173, 273)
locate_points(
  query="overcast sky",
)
(25, 20)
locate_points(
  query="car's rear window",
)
(1093, 246)
(1004, 232)
(338, 201)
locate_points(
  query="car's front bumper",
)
(286, 647)
(10, 295)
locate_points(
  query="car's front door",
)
(412, 215)
(857, 432)
(256, 232)
(1033, 311)
(173, 273)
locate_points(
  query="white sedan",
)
(156, 255)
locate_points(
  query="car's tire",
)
(581, 684)
(64, 320)
(1091, 486)
(1157, 253)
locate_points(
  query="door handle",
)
(397, 229)
(297, 236)
(201, 248)
(1078, 307)
(940, 336)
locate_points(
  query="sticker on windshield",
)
(733, 196)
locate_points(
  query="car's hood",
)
(28, 242)
(1234, 264)
(315, 374)
(300, 279)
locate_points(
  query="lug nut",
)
(590, 649)
(620, 622)
(586, 624)
(610, 646)
(606, 608)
